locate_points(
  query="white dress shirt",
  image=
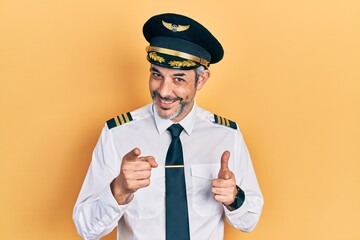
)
(96, 211)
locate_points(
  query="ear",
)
(202, 79)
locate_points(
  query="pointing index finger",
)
(134, 155)
(150, 160)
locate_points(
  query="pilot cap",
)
(179, 42)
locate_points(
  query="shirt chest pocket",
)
(202, 197)
(149, 202)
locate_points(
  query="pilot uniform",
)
(175, 42)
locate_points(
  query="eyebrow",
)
(179, 74)
(175, 74)
(154, 70)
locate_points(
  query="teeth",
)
(166, 102)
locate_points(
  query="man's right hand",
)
(134, 173)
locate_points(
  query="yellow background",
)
(290, 79)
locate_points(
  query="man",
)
(170, 170)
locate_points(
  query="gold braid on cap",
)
(178, 54)
(186, 63)
(156, 58)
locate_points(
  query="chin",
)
(168, 113)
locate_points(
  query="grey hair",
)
(198, 71)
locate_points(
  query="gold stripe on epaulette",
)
(224, 121)
(227, 122)
(119, 120)
(126, 118)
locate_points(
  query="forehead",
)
(171, 71)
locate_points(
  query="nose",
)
(165, 88)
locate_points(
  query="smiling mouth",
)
(164, 102)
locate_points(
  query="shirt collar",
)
(187, 123)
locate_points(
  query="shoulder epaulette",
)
(225, 122)
(119, 120)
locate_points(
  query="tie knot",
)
(175, 130)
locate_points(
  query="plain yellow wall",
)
(290, 79)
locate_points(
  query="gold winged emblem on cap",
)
(175, 27)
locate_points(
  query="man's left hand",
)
(224, 187)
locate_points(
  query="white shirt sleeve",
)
(247, 216)
(96, 212)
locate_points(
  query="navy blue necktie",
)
(177, 221)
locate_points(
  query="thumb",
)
(224, 161)
(224, 168)
(132, 155)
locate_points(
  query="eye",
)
(155, 74)
(179, 79)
